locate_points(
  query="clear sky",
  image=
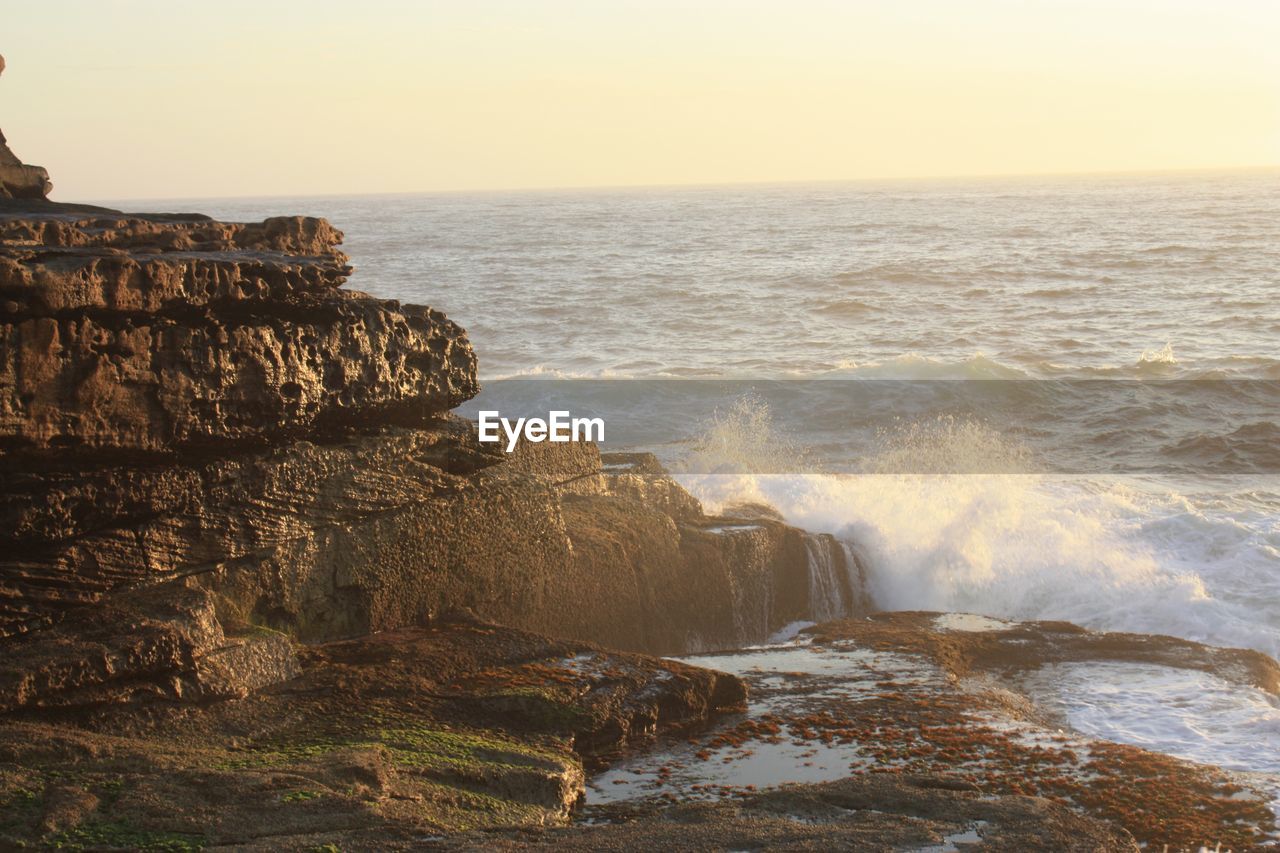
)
(170, 99)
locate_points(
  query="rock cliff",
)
(143, 336)
(236, 512)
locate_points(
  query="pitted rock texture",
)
(156, 334)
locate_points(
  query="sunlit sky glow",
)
(169, 99)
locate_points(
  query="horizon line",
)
(1100, 173)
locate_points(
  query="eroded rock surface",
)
(159, 643)
(396, 735)
(393, 527)
(148, 335)
(870, 812)
(187, 398)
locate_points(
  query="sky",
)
(123, 100)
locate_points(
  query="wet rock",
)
(1010, 648)
(932, 699)
(862, 813)
(642, 477)
(164, 643)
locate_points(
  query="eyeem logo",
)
(559, 426)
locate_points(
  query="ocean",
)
(1108, 508)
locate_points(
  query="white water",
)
(1185, 712)
(1109, 556)
(1199, 560)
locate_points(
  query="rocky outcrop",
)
(397, 527)
(18, 180)
(209, 453)
(967, 646)
(152, 335)
(158, 372)
(159, 643)
(186, 399)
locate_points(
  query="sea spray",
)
(1105, 553)
(742, 437)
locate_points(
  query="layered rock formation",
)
(136, 337)
(209, 453)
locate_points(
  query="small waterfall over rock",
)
(830, 594)
(837, 578)
(855, 568)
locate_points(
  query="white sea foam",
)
(1107, 554)
(1195, 715)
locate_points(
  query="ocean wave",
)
(1062, 292)
(1171, 249)
(1253, 447)
(916, 366)
(1014, 542)
(1102, 555)
(894, 274)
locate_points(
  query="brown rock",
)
(392, 529)
(1019, 647)
(159, 334)
(164, 643)
(872, 812)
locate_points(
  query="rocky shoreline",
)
(260, 589)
